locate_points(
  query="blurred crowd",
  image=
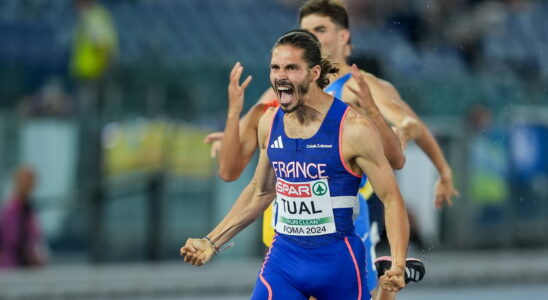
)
(112, 69)
(501, 40)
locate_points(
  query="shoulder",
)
(359, 135)
(370, 78)
(386, 83)
(267, 116)
(356, 125)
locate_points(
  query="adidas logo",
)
(277, 143)
(412, 274)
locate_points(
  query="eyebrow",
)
(319, 27)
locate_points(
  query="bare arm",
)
(367, 156)
(390, 142)
(239, 139)
(405, 122)
(250, 204)
(238, 143)
(444, 190)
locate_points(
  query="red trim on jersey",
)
(271, 103)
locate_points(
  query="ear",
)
(344, 36)
(315, 73)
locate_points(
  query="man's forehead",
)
(314, 20)
(287, 54)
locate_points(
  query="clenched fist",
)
(197, 251)
(393, 280)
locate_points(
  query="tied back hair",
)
(312, 54)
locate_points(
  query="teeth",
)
(283, 88)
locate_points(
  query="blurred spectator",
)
(95, 41)
(50, 100)
(94, 49)
(469, 27)
(21, 241)
(489, 169)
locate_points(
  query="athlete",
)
(314, 150)
(329, 21)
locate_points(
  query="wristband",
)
(211, 244)
(215, 249)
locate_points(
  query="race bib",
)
(304, 208)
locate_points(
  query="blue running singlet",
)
(316, 251)
(335, 88)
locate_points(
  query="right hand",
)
(444, 191)
(197, 251)
(393, 280)
(363, 94)
(216, 140)
(235, 90)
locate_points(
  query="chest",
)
(295, 130)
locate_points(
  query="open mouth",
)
(286, 94)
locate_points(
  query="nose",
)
(280, 74)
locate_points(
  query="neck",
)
(314, 108)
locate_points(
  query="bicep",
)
(372, 161)
(248, 132)
(264, 177)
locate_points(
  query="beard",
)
(299, 91)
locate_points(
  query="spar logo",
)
(319, 188)
(297, 190)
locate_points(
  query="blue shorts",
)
(333, 271)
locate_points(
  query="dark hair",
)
(312, 55)
(334, 9)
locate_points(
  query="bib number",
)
(304, 208)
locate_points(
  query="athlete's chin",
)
(287, 108)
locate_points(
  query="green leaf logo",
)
(319, 188)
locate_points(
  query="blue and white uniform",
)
(316, 251)
(370, 220)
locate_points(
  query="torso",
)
(304, 157)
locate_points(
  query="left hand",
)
(393, 280)
(236, 90)
(444, 191)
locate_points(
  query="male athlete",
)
(328, 20)
(313, 153)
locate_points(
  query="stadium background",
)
(128, 179)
